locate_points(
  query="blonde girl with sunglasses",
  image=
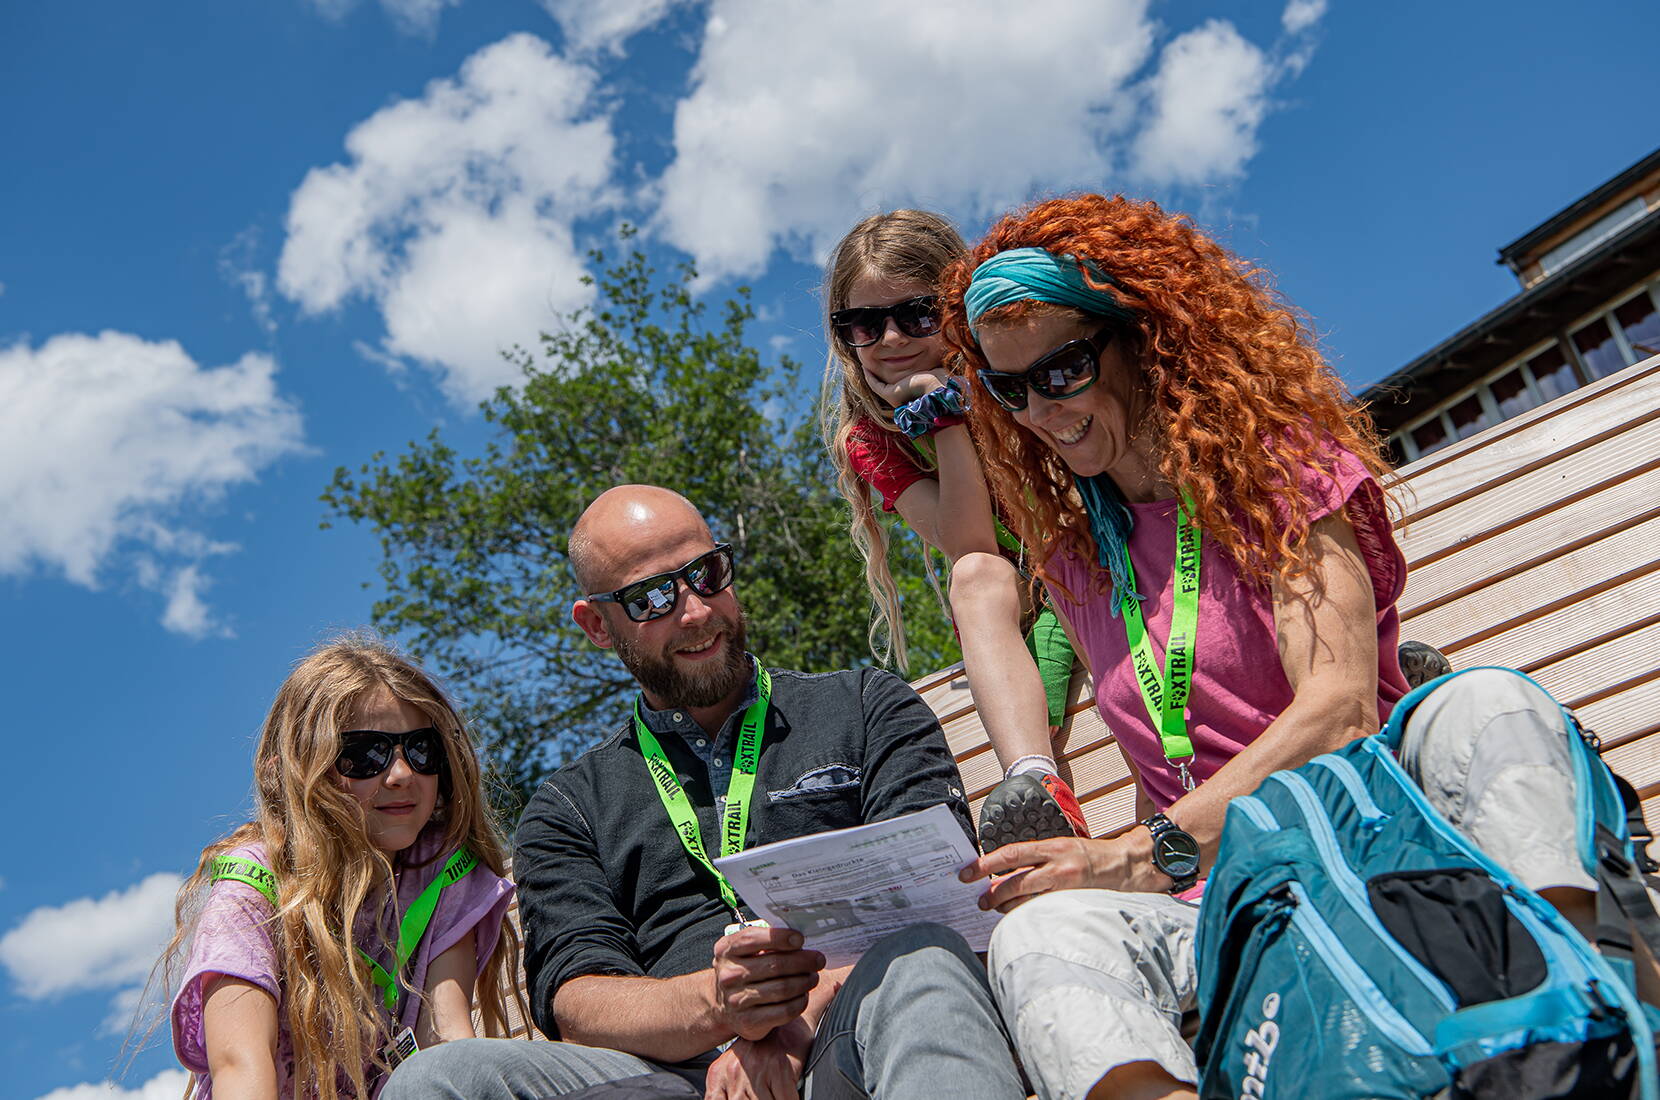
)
(893, 423)
(360, 913)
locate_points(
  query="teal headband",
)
(1032, 274)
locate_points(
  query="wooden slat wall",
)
(1534, 544)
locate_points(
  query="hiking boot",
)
(1422, 662)
(1024, 807)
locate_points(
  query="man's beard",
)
(704, 684)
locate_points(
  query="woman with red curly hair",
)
(1204, 504)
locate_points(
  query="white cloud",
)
(92, 943)
(1206, 101)
(1300, 15)
(592, 27)
(237, 266)
(410, 16)
(105, 441)
(186, 613)
(803, 116)
(123, 1011)
(454, 213)
(169, 1084)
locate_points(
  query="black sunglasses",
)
(365, 754)
(862, 326)
(1065, 372)
(658, 595)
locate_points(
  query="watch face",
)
(1176, 854)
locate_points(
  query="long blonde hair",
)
(317, 845)
(903, 245)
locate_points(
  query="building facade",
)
(1589, 305)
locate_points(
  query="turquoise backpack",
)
(1352, 943)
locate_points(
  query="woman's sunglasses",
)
(657, 595)
(862, 326)
(1065, 372)
(365, 754)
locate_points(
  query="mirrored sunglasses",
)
(365, 754)
(1065, 372)
(863, 326)
(658, 595)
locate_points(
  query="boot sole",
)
(1021, 814)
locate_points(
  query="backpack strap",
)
(1624, 905)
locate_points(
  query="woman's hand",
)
(1036, 867)
(909, 388)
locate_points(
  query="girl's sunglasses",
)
(365, 754)
(862, 326)
(657, 595)
(1065, 372)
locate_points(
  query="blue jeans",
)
(914, 1018)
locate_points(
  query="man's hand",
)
(762, 1069)
(1035, 867)
(762, 978)
(909, 388)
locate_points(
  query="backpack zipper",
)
(1370, 1000)
(1353, 890)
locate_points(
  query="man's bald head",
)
(622, 521)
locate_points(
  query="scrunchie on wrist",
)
(934, 410)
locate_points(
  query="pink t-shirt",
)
(233, 937)
(1239, 685)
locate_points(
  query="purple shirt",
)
(233, 937)
(1239, 685)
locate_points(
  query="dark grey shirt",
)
(605, 886)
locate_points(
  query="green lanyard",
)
(735, 822)
(410, 930)
(1165, 691)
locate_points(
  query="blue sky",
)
(243, 244)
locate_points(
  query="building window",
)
(1597, 349)
(1641, 323)
(1431, 435)
(1468, 417)
(1512, 394)
(1552, 372)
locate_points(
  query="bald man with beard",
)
(633, 962)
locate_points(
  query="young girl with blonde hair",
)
(352, 920)
(893, 422)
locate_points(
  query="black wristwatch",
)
(1174, 852)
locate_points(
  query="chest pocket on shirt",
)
(820, 780)
(824, 796)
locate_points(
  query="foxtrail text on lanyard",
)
(735, 821)
(1165, 691)
(410, 929)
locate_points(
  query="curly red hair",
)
(1240, 399)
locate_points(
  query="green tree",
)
(642, 387)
